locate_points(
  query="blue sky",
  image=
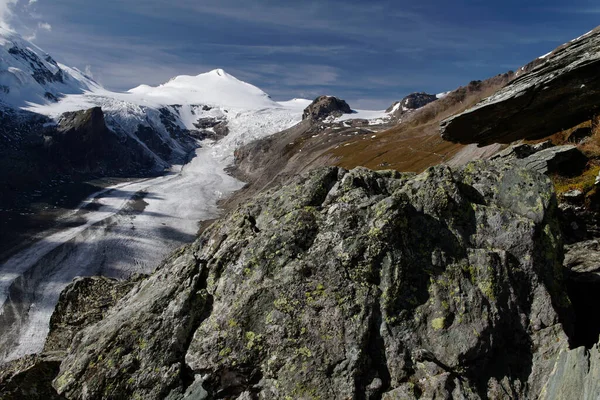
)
(367, 52)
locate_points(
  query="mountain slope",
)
(28, 74)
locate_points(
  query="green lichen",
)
(438, 323)
(253, 341)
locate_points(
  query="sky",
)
(370, 53)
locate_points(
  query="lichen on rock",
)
(348, 284)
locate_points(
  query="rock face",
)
(556, 94)
(325, 106)
(81, 304)
(82, 141)
(575, 376)
(347, 284)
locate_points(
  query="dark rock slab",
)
(561, 91)
(544, 158)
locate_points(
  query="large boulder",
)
(347, 284)
(559, 92)
(325, 106)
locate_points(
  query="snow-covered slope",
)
(215, 88)
(28, 74)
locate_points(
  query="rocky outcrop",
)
(83, 303)
(82, 141)
(556, 94)
(325, 106)
(412, 102)
(347, 284)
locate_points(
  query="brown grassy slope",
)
(415, 144)
(590, 146)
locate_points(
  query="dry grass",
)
(591, 148)
(416, 144)
(584, 182)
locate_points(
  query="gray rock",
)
(325, 106)
(547, 159)
(582, 259)
(561, 91)
(83, 303)
(575, 376)
(137, 350)
(412, 102)
(347, 285)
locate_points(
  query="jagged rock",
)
(546, 159)
(137, 350)
(83, 303)
(347, 285)
(30, 378)
(558, 93)
(325, 106)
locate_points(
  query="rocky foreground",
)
(342, 284)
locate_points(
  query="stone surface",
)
(559, 92)
(347, 284)
(325, 106)
(81, 304)
(582, 259)
(137, 350)
(563, 160)
(575, 376)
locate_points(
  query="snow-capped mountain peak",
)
(216, 88)
(28, 74)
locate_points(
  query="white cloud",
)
(45, 26)
(6, 12)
